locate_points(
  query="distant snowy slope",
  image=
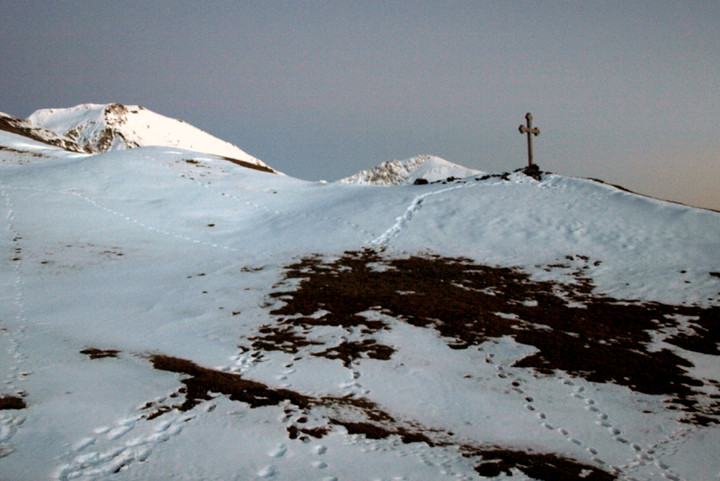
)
(396, 172)
(25, 128)
(102, 128)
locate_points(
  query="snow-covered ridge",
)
(408, 171)
(39, 134)
(104, 127)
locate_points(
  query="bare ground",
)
(575, 330)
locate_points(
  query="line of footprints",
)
(111, 447)
(12, 335)
(280, 450)
(306, 214)
(642, 456)
(245, 361)
(352, 387)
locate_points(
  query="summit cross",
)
(530, 131)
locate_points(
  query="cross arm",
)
(525, 130)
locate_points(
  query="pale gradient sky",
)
(628, 92)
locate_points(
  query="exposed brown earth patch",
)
(376, 431)
(541, 466)
(249, 165)
(575, 330)
(24, 152)
(241, 163)
(94, 353)
(202, 381)
(11, 402)
(348, 351)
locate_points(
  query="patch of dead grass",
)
(11, 402)
(94, 353)
(574, 330)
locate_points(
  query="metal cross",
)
(530, 131)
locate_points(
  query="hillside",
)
(165, 314)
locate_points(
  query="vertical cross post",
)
(530, 131)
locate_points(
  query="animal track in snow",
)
(352, 387)
(114, 449)
(243, 361)
(149, 227)
(13, 331)
(288, 370)
(401, 221)
(9, 425)
(602, 419)
(267, 472)
(515, 386)
(278, 451)
(131, 219)
(303, 213)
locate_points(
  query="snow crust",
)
(103, 127)
(172, 251)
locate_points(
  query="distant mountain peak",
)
(396, 172)
(26, 128)
(114, 126)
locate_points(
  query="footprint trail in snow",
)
(13, 324)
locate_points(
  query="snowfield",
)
(167, 314)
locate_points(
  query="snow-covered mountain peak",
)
(408, 171)
(104, 127)
(25, 128)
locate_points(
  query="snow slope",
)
(103, 127)
(147, 328)
(397, 172)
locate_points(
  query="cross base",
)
(533, 171)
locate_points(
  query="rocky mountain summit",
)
(105, 127)
(419, 168)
